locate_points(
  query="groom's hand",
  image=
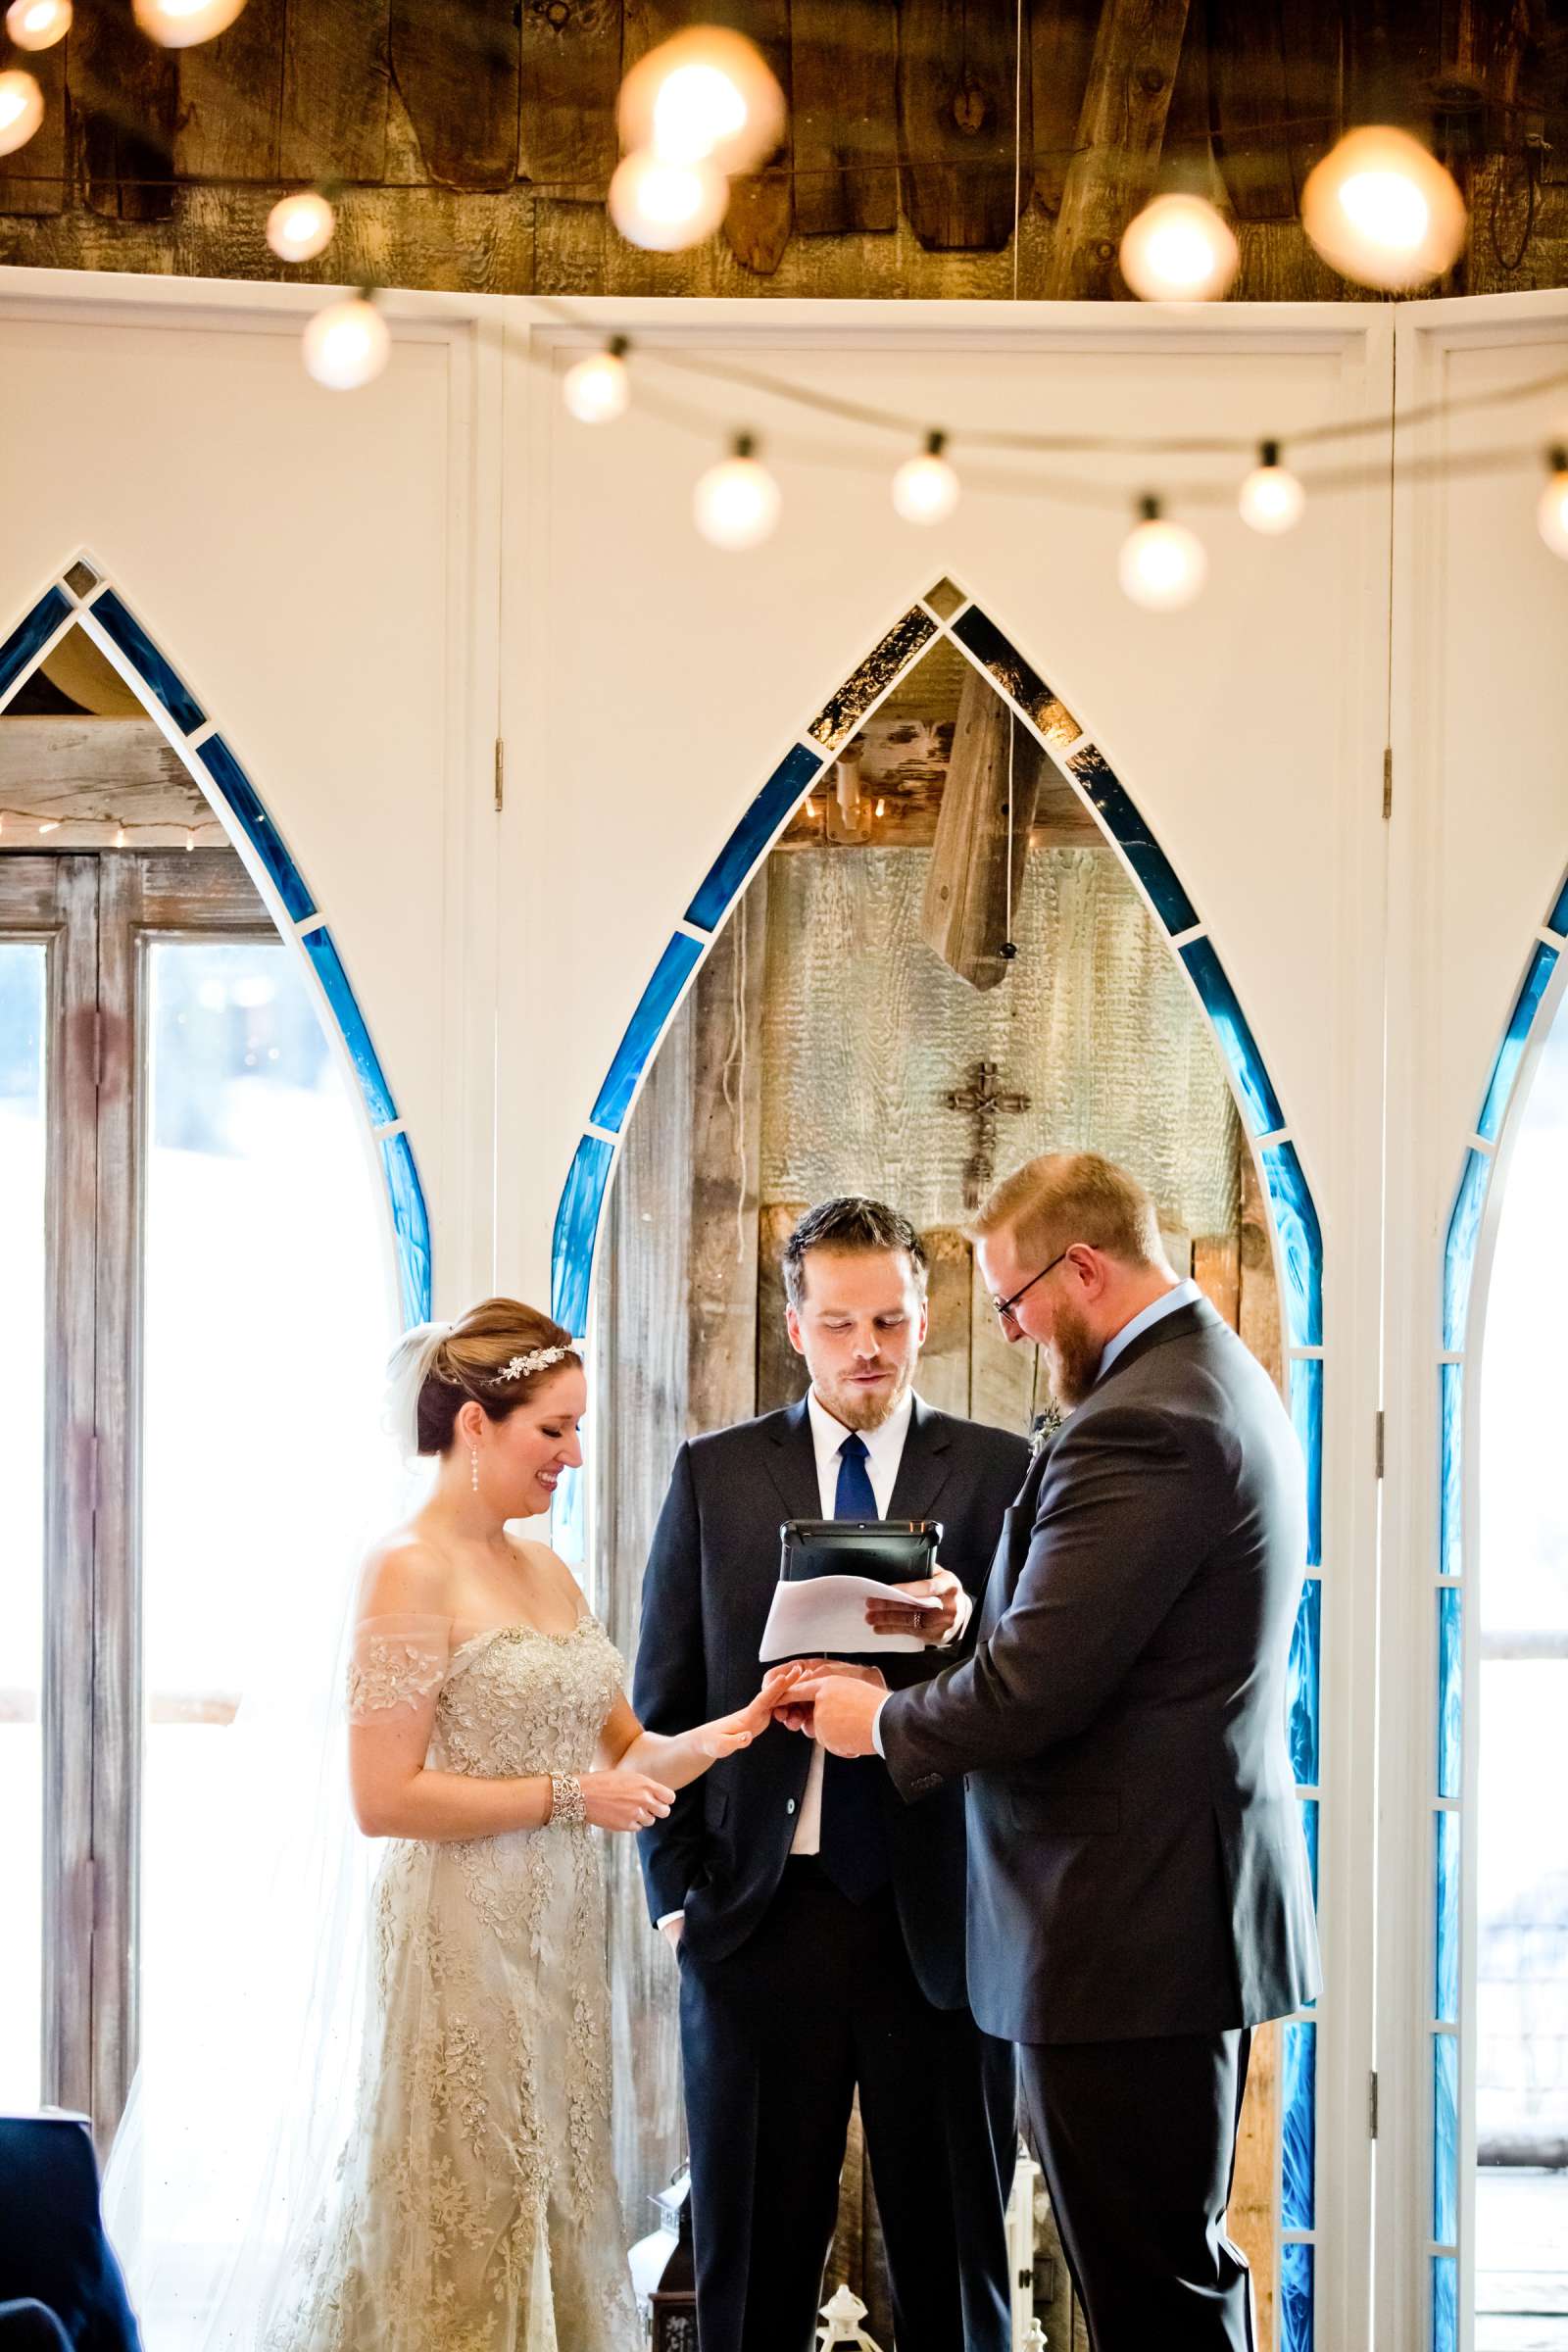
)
(932, 1625)
(844, 1701)
(795, 1713)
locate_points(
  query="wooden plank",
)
(231, 96)
(1247, 91)
(125, 102)
(762, 204)
(1062, 45)
(844, 76)
(94, 769)
(35, 181)
(977, 862)
(726, 1116)
(1007, 1385)
(1392, 51)
(332, 122)
(568, 84)
(1217, 1272)
(1120, 132)
(1252, 2216)
(457, 72)
(781, 1374)
(1258, 1319)
(943, 1374)
(957, 123)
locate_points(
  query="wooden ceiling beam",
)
(1120, 132)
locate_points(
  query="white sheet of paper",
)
(824, 1616)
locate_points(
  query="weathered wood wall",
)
(481, 136)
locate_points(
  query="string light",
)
(1179, 249)
(190, 841)
(21, 109)
(119, 837)
(1162, 564)
(811, 808)
(1552, 513)
(1271, 498)
(706, 96)
(1381, 211)
(736, 503)
(301, 226)
(346, 345)
(38, 24)
(667, 206)
(597, 389)
(182, 24)
(50, 825)
(925, 489)
(881, 808)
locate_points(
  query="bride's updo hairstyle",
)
(469, 1360)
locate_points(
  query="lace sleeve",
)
(397, 1662)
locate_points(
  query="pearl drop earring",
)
(473, 1467)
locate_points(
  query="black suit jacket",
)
(52, 2241)
(710, 1576)
(1135, 1858)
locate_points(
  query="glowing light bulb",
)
(182, 24)
(1271, 498)
(38, 24)
(50, 825)
(1381, 211)
(21, 109)
(737, 502)
(597, 389)
(1162, 564)
(119, 837)
(811, 808)
(190, 841)
(1552, 513)
(1179, 249)
(925, 489)
(664, 207)
(301, 226)
(705, 95)
(881, 808)
(347, 344)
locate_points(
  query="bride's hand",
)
(729, 1732)
(624, 1800)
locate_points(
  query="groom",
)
(1138, 1888)
(819, 1922)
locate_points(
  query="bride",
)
(475, 2207)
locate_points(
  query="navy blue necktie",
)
(854, 1846)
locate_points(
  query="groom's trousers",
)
(1137, 2143)
(776, 2039)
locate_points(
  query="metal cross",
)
(985, 1101)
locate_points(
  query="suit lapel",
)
(1012, 1548)
(924, 1466)
(792, 1460)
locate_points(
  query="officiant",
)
(819, 1924)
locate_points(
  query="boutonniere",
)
(1042, 1430)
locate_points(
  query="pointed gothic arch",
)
(82, 597)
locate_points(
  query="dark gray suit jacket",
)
(1137, 1865)
(710, 1576)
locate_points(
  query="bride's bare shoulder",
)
(405, 1575)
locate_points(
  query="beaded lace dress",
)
(475, 2208)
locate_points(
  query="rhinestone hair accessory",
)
(538, 1361)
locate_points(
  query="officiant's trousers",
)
(1137, 2141)
(776, 2039)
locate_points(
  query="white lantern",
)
(706, 95)
(21, 109)
(301, 226)
(736, 503)
(1271, 498)
(1179, 249)
(1384, 212)
(182, 24)
(596, 389)
(667, 206)
(38, 24)
(347, 344)
(1162, 564)
(925, 489)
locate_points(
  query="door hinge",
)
(1380, 1444)
(500, 773)
(1372, 2106)
(1387, 780)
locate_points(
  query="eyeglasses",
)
(1005, 1306)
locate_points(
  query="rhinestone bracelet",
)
(566, 1808)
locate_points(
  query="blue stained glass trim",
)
(30, 635)
(411, 1225)
(576, 1224)
(1301, 1243)
(260, 831)
(1451, 1688)
(1307, 1412)
(1302, 1684)
(1558, 920)
(1310, 1828)
(1506, 1069)
(793, 777)
(1444, 2303)
(133, 641)
(644, 1030)
(1298, 2141)
(1128, 830)
(1460, 1255)
(1445, 1940)
(1450, 1541)
(1295, 2298)
(322, 949)
(1445, 2139)
(1260, 1101)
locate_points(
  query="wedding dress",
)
(475, 2207)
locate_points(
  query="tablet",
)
(891, 1551)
